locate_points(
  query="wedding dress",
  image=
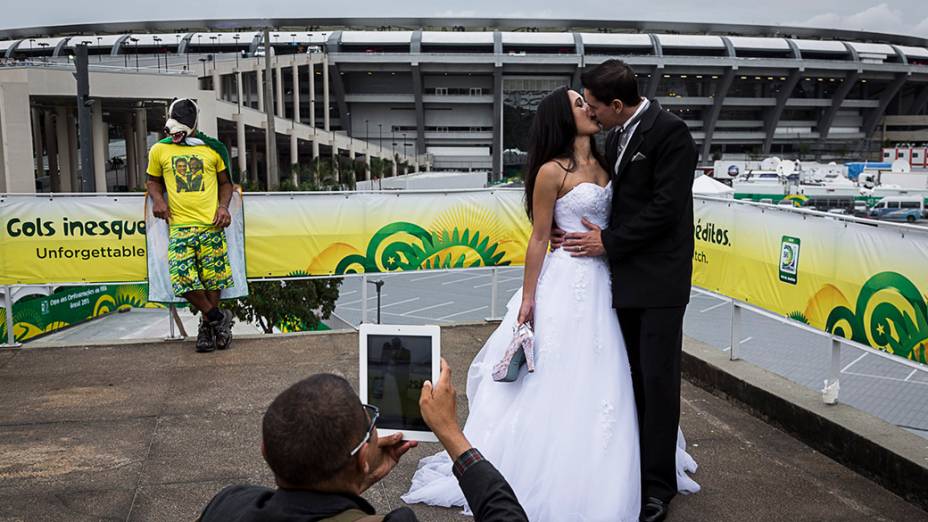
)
(565, 436)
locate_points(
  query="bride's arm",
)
(544, 196)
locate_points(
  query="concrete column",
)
(295, 70)
(294, 159)
(294, 156)
(393, 163)
(74, 156)
(207, 122)
(62, 140)
(279, 73)
(132, 160)
(240, 145)
(51, 146)
(367, 159)
(141, 144)
(253, 168)
(312, 94)
(217, 83)
(37, 142)
(101, 140)
(260, 80)
(16, 158)
(325, 93)
(315, 149)
(240, 91)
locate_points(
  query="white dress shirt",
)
(628, 129)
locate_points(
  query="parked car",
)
(899, 208)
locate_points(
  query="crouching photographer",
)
(322, 446)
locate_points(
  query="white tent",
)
(706, 186)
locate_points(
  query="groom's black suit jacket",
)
(649, 241)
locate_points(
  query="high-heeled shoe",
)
(521, 351)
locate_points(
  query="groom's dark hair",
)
(612, 80)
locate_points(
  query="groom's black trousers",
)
(654, 340)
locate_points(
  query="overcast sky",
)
(894, 16)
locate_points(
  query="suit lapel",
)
(630, 151)
(610, 152)
(647, 120)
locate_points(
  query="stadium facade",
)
(443, 94)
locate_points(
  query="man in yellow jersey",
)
(192, 172)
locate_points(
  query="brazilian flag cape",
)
(212, 143)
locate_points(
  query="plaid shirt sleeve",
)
(465, 461)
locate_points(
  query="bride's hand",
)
(526, 312)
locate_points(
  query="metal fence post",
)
(364, 298)
(8, 304)
(494, 292)
(172, 319)
(832, 385)
(735, 330)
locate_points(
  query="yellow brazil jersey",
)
(189, 174)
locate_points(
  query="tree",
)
(345, 171)
(360, 169)
(294, 305)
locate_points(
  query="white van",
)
(899, 208)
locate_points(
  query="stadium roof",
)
(508, 24)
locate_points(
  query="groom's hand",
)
(557, 238)
(585, 244)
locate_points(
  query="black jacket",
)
(488, 494)
(649, 241)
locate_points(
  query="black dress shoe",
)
(654, 510)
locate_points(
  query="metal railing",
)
(831, 389)
(175, 325)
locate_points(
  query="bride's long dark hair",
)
(552, 136)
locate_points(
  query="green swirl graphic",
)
(426, 251)
(900, 332)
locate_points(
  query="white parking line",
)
(426, 308)
(500, 280)
(885, 378)
(404, 301)
(463, 312)
(853, 362)
(910, 375)
(343, 294)
(465, 279)
(746, 339)
(713, 307)
(432, 276)
(356, 301)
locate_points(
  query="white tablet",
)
(395, 360)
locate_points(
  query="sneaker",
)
(206, 341)
(223, 330)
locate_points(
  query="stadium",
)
(436, 94)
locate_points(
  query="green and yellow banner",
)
(101, 239)
(862, 282)
(37, 315)
(858, 281)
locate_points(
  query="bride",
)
(566, 435)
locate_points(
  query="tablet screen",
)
(397, 366)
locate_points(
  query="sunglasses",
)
(373, 413)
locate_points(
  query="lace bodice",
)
(586, 200)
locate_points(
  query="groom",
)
(649, 245)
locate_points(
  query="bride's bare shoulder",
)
(551, 173)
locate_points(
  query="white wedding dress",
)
(565, 436)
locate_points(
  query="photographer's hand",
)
(439, 409)
(383, 457)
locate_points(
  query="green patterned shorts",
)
(198, 259)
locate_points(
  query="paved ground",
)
(887, 389)
(152, 431)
